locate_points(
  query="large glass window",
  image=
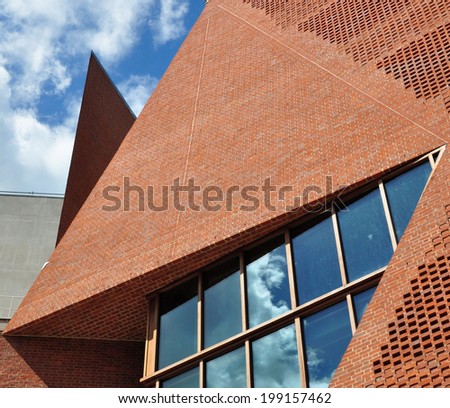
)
(316, 261)
(267, 283)
(258, 317)
(366, 243)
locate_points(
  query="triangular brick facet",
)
(104, 120)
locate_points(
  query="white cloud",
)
(114, 26)
(227, 371)
(43, 46)
(275, 360)
(136, 90)
(34, 155)
(4, 88)
(170, 23)
(264, 277)
(36, 9)
(42, 148)
(316, 359)
(7, 178)
(275, 363)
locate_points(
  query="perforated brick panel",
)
(408, 39)
(442, 241)
(416, 354)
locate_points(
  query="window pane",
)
(189, 379)
(361, 301)
(403, 193)
(267, 283)
(178, 321)
(365, 236)
(222, 305)
(275, 360)
(327, 334)
(316, 261)
(227, 371)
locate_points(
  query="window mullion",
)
(202, 374)
(351, 313)
(387, 213)
(290, 268)
(432, 162)
(152, 336)
(338, 245)
(200, 303)
(439, 156)
(248, 364)
(301, 353)
(244, 305)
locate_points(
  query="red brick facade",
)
(45, 362)
(267, 89)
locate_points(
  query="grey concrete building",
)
(28, 229)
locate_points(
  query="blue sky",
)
(44, 51)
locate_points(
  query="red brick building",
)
(285, 188)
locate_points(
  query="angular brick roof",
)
(244, 99)
(104, 121)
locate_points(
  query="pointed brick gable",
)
(104, 120)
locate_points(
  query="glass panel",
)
(227, 371)
(327, 334)
(178, 324)
(189, 379)
(403, 193)
(365, 236)
(316, 261)
(222, 311)
(275, 360)
(361, 301)
(267, 283)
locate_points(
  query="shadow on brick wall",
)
(51, 362)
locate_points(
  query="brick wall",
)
(408, 40)
(45, 362)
